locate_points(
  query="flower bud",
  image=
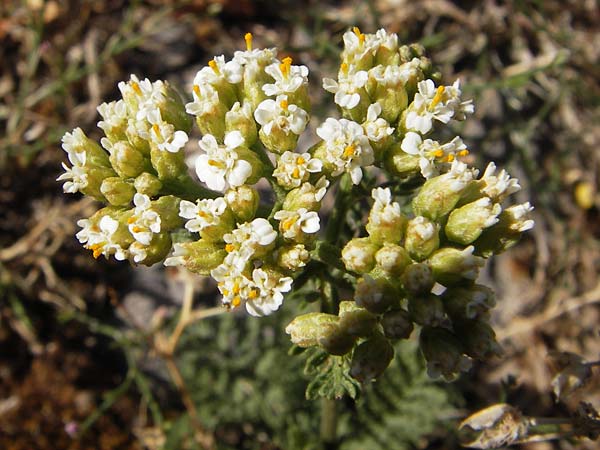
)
(375, 294)
(159, 248)
(422, 238)
(167, 208)
(127, 161)
(401, 164)
(307, 196)
(147, 184)
(199, 257)
(392, 259)
(356, 321)
(396, 324)
(426, 310)
(306, 329)
(478, 338)
(172, 109)
(293, 257)
(371, 358)
(211, 120)
(240, 118)
(358, 255)
(386, 222)
(439, 195)
(255, 77)
(386, 87)
(473, 302)
(243, 201)
(168, 165)
(443, 353)
(418, 279)
(466, 223)
(452, 266)
(117, 191)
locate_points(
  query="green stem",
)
(338, 213)
(329, 423)
(186, 188)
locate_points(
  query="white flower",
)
(218, 71)
(427, 105)
(384, 211)
(518, 217)
(383, 39)
(347, 148)
(431, 153)
(498, 186)
(485, 212)
(249, 237)
(114, 114)
(452, 98)
(138, 251)
(268, 294)
(76, 176)
(287, 78)
(293, 169)
(281, 115)
(295, 223)
(178, 257)
(144, 93)
(459, 176)
(163, 134)
(423, 228)
(357, 45)
(389, 75)
(202, 214)
(144, 222)
(220, 166)
(99, 237)
(376, 128)
(256, 57)
(347, 87)
(233, 285)
(206, 100)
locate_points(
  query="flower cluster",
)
(414, 264)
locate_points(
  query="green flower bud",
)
(117, 191)
(512, 222)
(439, 195)
(147, 184)
(473, 302)
(307, 196)
(453, 266)
(240, 118)
(243, 201)
(78, 142)
(306, 329)
(443, 353)
(478, 339)
(293, 257)
(211, 120)
(278, 140)
(335, 340)
(356, 321)
(127, 161)
(95, 178)
(386, 222)
(396, 324)
(172, 109)
(422, 238)
(159, 248)
(371, 358)
(255, 77)
(386, 87)
(168, 165)
(426, 310)
(401, 164)
(392, 259)
(199, 257)
(167, 208)
(254, 161)
(466, 223)
(358, 255)
(359, 112)
(418, 279)
(375, 293)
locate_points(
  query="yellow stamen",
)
(359, 35)
(137, 229)
(202, 214)
(285, 65)
(196, 89)
(131, 220)
(438, 153)
(438, 96)
(464, 152)
(252, 294)
(284, 104)
(94, 228)
(225, 292)
(287, 224)
(248, 39)
(96, 250)
(236, 288)
(229, 248)
(450, 157)
(296, 173)
(349, 151)
(236, 301)
(136, 88)
(156, 130)
(212, 162)
(344, 68)
(300, 160)
(213, 65)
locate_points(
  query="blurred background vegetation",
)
(77, 365)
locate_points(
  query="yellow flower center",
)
(438, 96)
(464, 152)
(288, 223)
(285, 65)
(213, 65)
(296, 173)
(284, 104)
(252, 294)
(359, 35)
(156, 130)
(236, 301)
(229, 248)
(96, 250)
(438, 153)
(196, 89)
(136, 87)
(349, 151)
(248, 39)
(344, 68)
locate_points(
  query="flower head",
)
(145, 221)
(293, 169)
(288, 78)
